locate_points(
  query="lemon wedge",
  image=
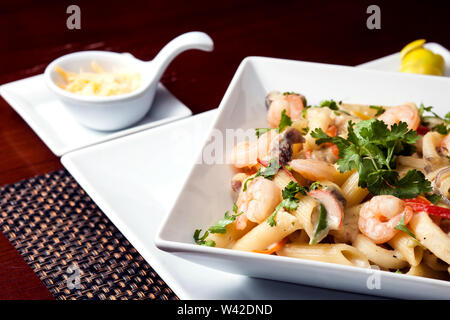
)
(411, 46)
(417, 59)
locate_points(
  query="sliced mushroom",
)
(272, 95)
(281, 147)
(336, 191)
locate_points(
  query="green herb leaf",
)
(260, 131)
(329, 104)
(441, 128)
(289, 202)
(380, 110)
(433, 198)
(285, 121)
(372, 149)
(220, 226)
(304, 131)
(201, 240)
(315, 186)
(271, 170)
(402, 227)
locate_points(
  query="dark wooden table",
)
(34, 32)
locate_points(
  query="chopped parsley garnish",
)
(433, 198)
(315, 185)
(305, 110)
(289, 202)
(202, 240)
(402, 227)
(443, 127)
(271, 170)
(372, 149)
(304, 131)
(285, 121)
(260, 131)
(220, 226)
(380, 110)
(330, 104)
(268, 172)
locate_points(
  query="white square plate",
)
(134, 180)
(205, 196)
(48, 117)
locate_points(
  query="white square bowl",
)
(205, 195)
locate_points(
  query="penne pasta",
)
(410, 249)
(349, 230)
(263, 235)
(387, 259)
(228, 239)
(413, 162)
(422, 270)
(333, 253)
(352, 192)
(431, 236)
(434, 262)
(304, 214)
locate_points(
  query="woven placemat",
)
(71, 245)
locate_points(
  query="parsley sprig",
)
(268, 172)
(201, 240)
(380, 110)
(372, 149)
(289, 202)
(402, 227)
(443, 127)
(285, 122)
(218, 227)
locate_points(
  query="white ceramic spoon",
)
(120, 111)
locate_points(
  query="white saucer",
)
(46, 115)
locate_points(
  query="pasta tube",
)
(333, 253)
(263, 235)
(387, 259)
(431, 236)
(408, 247)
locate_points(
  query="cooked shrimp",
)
(445, 145)
(292, 103)
(257, 202)
(406, 112)
(315, 170)
(246, 153)
(379, 217)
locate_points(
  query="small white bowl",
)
(121, 111)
